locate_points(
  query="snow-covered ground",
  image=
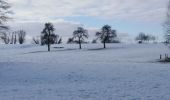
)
(120, 72)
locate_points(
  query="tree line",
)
(14, 37)
(105, 35)
(48, 37)
(142, 37)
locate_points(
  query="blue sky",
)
(126, 16)
(132, 27)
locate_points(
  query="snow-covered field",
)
(120, 72)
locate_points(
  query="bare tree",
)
(167, 24)
(13, 39)
(106, 35)
(5, 37)
(4, 14)
(47, 34)
(36, 40)
(9, 37)
(80, 34)
(59, 41)
(21, 36)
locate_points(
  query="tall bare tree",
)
(21, 36)
(80, 34)
(5, 37)
(13, 38)
(167, 24)
(4, 14)
(36, 40)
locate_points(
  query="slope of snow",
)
(120, 72)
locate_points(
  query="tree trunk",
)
(79, 43)
(49, 40)
(15, 39)
(104, 43)
(12, 39)
(48, 47)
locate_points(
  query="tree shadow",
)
(114, 48)
(58, 47)
(62, 49)
(96, 49)
(50, 51)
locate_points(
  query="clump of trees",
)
(142, 37)
(21, 36)
(14, 37)
(106, 35)
(5, 37)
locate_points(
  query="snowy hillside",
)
(120, 72)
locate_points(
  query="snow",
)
(120, 72)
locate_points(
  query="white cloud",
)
(31, 15)
(141, 10)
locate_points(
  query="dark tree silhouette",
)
(144, 37)
(107, 35)
(54, 39)
(9, 38)
(5, 37)
(47, 34)
(21, 36)
(59, 41)
(36, 40)
(14, 37)
(4, 14)
(94, 41)
(70, 40)
(141, 37)
(80, 34)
